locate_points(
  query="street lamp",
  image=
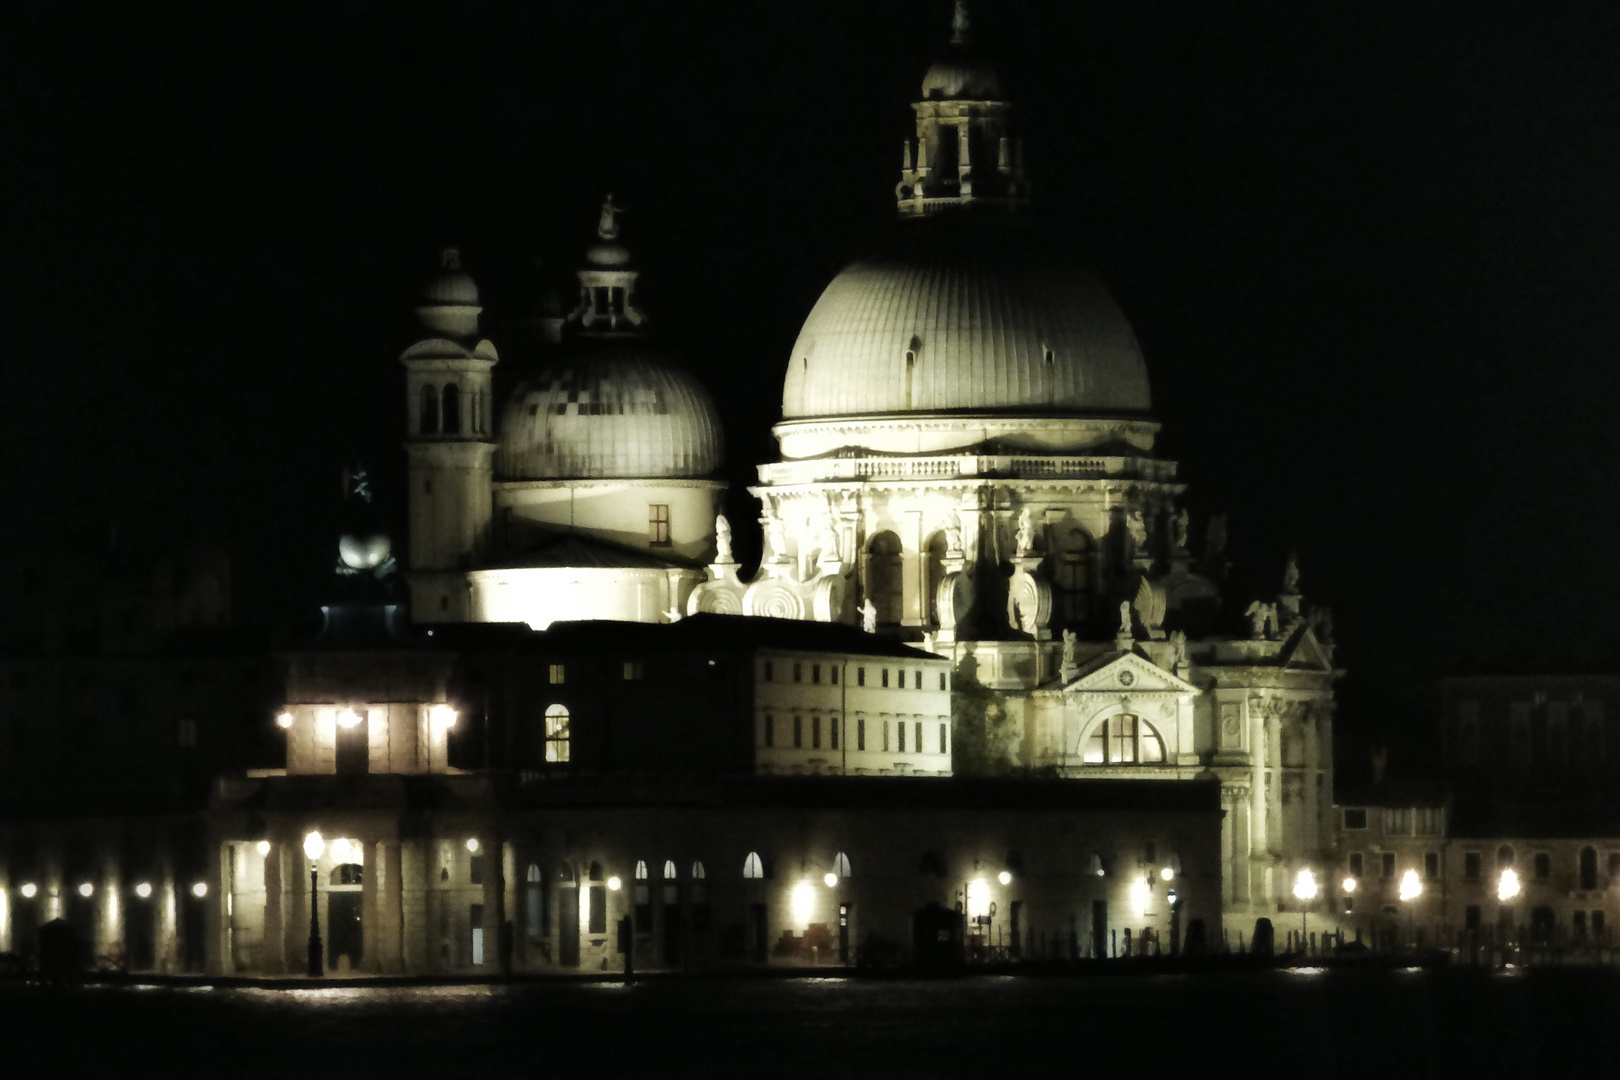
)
(1411, 889)
(1304, 892)
(314, 845)
(1507, 886)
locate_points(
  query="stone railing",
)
(954, 466)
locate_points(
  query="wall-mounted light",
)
(144, 890)
(472, 845)
(284, 720)
(28, 890)
(831, 880)
(200, 889)
(978, 898)
(1167, 874)
(803, 902)
(442, 717)
(1005, 877)
(1411, 887)
(347, 719)
(614, 884)
(1305, 886)
(263, 847)
(1507, 886)
(1348, 885)
(1140, 890)
(86, 889)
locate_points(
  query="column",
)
(273, 949)
(494, 903)
(511, 912)
(370, 938)
(295, 893)
(216, 874)
(391, 909)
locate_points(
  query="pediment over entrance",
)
(1127, 672)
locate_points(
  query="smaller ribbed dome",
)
(959, 76)
(448, 302)
(609, 410)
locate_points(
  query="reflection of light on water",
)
(1304, 970)
(1410, 970)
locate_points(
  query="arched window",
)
(841, 865)
(1589, 868)
(885, 577)
(429, 421)
(1122, 740)
(753, 866)
(565, 874)
(557, 737)
(698, 873)
(452, 409)
(641, 869)
(533, 874)
(596, 871)
(670, 872)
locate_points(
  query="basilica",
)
(982, 661)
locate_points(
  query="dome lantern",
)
(448, 304)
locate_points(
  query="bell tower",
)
(448, 446)
(964, 154)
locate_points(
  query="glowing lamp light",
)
(1305, 886)
(1348, 885)
(144, 890)
(831, 880)
(1140, 890)
(200, 889)
(978, 898)
(472, 845)
(803, 901)
(347, 719)
(86, 889)
(442, 717)
(1166, 874)
(1411, 887)
(614, 884)
(314, 846)
(1005, 877)
(28, 890)
(1507, 886)
(284, 721)
(262, 847)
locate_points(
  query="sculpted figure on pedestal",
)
(1124, 618)
(869, 616)
(1070, 640)
(722, 539)
(1179, 526)
(953, 533)
(1026, 533)
(1137, 528)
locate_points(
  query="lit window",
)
(753, 866)
(658, 525)
(557, 733)
(841, 865)
(670, 872)
(632, 670)
(558, 674)
(698, 873)
(1122, 740)
(641, 869)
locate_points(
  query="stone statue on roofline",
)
(722, 539)
(869, 616)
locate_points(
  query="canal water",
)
(1303, 1023)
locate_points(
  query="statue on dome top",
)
(608, 226)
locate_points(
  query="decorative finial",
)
(960, 23)
(608, 227)
(450, 258)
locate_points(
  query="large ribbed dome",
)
(609, 409)
(964, 320)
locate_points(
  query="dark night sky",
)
(1370, 250)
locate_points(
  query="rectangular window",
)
(658, 525)
(798, 672)
(815, 673)
(1614, 864)
(1471, 917)
(597, 923)
(942, 680)
(632, 670)
(1430, 820)
(900, 728)
(1597, 925)
(769, 671)
(885, 736)
(885, 677)
(860, 676)
(1431, 865)
(832, 731)
(1355, 818)
(558, 674)
(1543, 865)
(556, 733)
(918, 733)
(833, 671)
(1397, 821)
(860, 733)
(798, 732)
(916, 680)
(1471, 865)
(1387, 869)
(475, 869)
(1355, 864)
(770, 730)
(475, 917)
(942, 743)
(815, 732)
